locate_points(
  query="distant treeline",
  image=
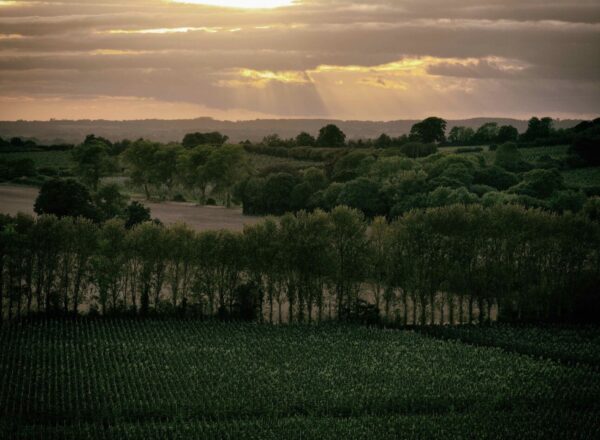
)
(539, 132)
(17, 145)
(456, 264)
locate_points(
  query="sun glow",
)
(242, 4)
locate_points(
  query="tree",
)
(538, 128)
(180, 252)
(192, 171)
(588, 149)
(461, 135)
(383, 141)
(140, 158)
(417, 149)
(429, 130)
(109, 202)
(495, 177)
(539, 183)
(215, 138)
(165, 165)
(351, 165)
(277, 191)
(272, 140)
(65, 198)
(362, 194)
(227, 166)
(509, 157)
(108, 265)
(305, 139)
(349, 250)
(487, 133)
(147, 242)
(135, 214)
(92, 162)
(331, 136)
(507, 133)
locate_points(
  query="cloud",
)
(341, 58)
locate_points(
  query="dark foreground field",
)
(185, 379)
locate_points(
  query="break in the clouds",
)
(237, 59)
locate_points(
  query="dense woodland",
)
(456, 264)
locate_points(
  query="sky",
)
(339, 59)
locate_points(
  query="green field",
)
(528, 154)
(572, 345)
(188, 379)
(582, 177)
(260, 162)
(43, 159)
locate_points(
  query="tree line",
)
(455, 264)
(539, 132)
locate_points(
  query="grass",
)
(167, 378)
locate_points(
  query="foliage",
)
(136, 214)
(588, 149)
(92, 162)
(109, 201)
(65, 198)
(455, 264)
(509, 157)
(225, 167)
(331, 136)
(417, 149)
(305, 140)
(430, 130)
(192, 140)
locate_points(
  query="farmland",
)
(165, 378)
(571, 345)
(44, 159)
(15, 199)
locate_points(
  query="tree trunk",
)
(471, 300)
(405, 306)
(270, 294)
(1, 288)
(279, 309)
(432, 308)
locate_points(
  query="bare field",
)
(14, 199)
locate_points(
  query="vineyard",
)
(572, 345)
(180, 379)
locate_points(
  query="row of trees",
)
(455, 264)
(156, 167)
(199, 169)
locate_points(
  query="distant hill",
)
(58, 131)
